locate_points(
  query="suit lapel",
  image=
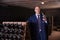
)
(35, 18)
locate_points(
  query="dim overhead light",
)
(42, 2)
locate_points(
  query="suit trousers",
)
(41, 36)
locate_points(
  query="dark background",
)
(14, 13)
(18, 13)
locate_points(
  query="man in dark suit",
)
(37, 25)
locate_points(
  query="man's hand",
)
(44, 19)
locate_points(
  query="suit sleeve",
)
(29, 20)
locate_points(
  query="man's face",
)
(37, 10)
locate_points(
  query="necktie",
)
(39, 23)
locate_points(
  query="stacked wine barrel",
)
(12, 31)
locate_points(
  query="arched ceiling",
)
(31, 3)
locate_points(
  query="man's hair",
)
(37, 6)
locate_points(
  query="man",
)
(37, 25)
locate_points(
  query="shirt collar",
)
(37, 14)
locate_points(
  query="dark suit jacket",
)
(34, 30)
